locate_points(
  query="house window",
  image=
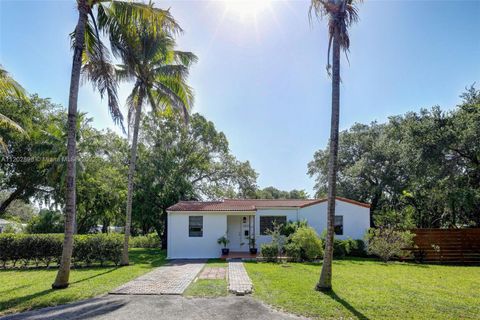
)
(267, 223)
(338, 225)
(195, 226)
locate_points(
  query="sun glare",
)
(247, 10)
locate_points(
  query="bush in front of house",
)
(270, 252)
(47, 248)
(346, 248)
(293, 252)
(291, 226)
(305, 240)
(341, 248)
(357, 248)
(387, 243)
(151, 240)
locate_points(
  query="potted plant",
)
(223, 240)
(252, 245)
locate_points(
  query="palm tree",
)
(88, 49)
(159, 74)
(341, 15)
(9, 88)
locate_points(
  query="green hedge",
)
(151, 240)
(43, 249)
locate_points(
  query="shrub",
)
(387, 243)
(341, 248)
(307, 240)
(46, 248)
(278, 239)
(291, 226)
(47, 221)
(270, 251)
(293, 252)
(6, 248)
(357, 248)
(151, 240)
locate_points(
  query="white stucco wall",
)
(356, 219)
(181, 246)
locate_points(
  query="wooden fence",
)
(448, 246)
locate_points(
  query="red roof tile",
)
(251, 204)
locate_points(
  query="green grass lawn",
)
(209, 288)
(366, 289)
(27, 289)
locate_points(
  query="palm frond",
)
(341, 15)
(124, 73)
(124, 21)
(98, 69)
(173, 93)
(9, 88)
(6, 122)
(185, 58)
(173, 70)
(3, 146)
(160, 20)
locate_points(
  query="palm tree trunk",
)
(63, 274)
(131, 172)
(325, 283)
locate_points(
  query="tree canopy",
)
(425, 166)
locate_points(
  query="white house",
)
(195, 226)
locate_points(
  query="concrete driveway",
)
(145, 307)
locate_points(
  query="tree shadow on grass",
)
(347, 305)
(12, 303)
(94, 276)
(79, 310)
(3, 292)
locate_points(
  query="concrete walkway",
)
(126, 307)
(172, 278)
(239, 282)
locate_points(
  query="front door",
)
(237, 232)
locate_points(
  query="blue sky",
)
(261, 72)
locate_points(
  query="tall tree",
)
(22, 180)
(159, 72)
(88, 49)
(183, 162)
(341, 15)
(421, 166)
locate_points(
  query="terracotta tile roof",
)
(251, 204)
(211, 206)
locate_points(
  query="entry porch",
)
(240, 233)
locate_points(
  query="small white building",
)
(195, 226)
